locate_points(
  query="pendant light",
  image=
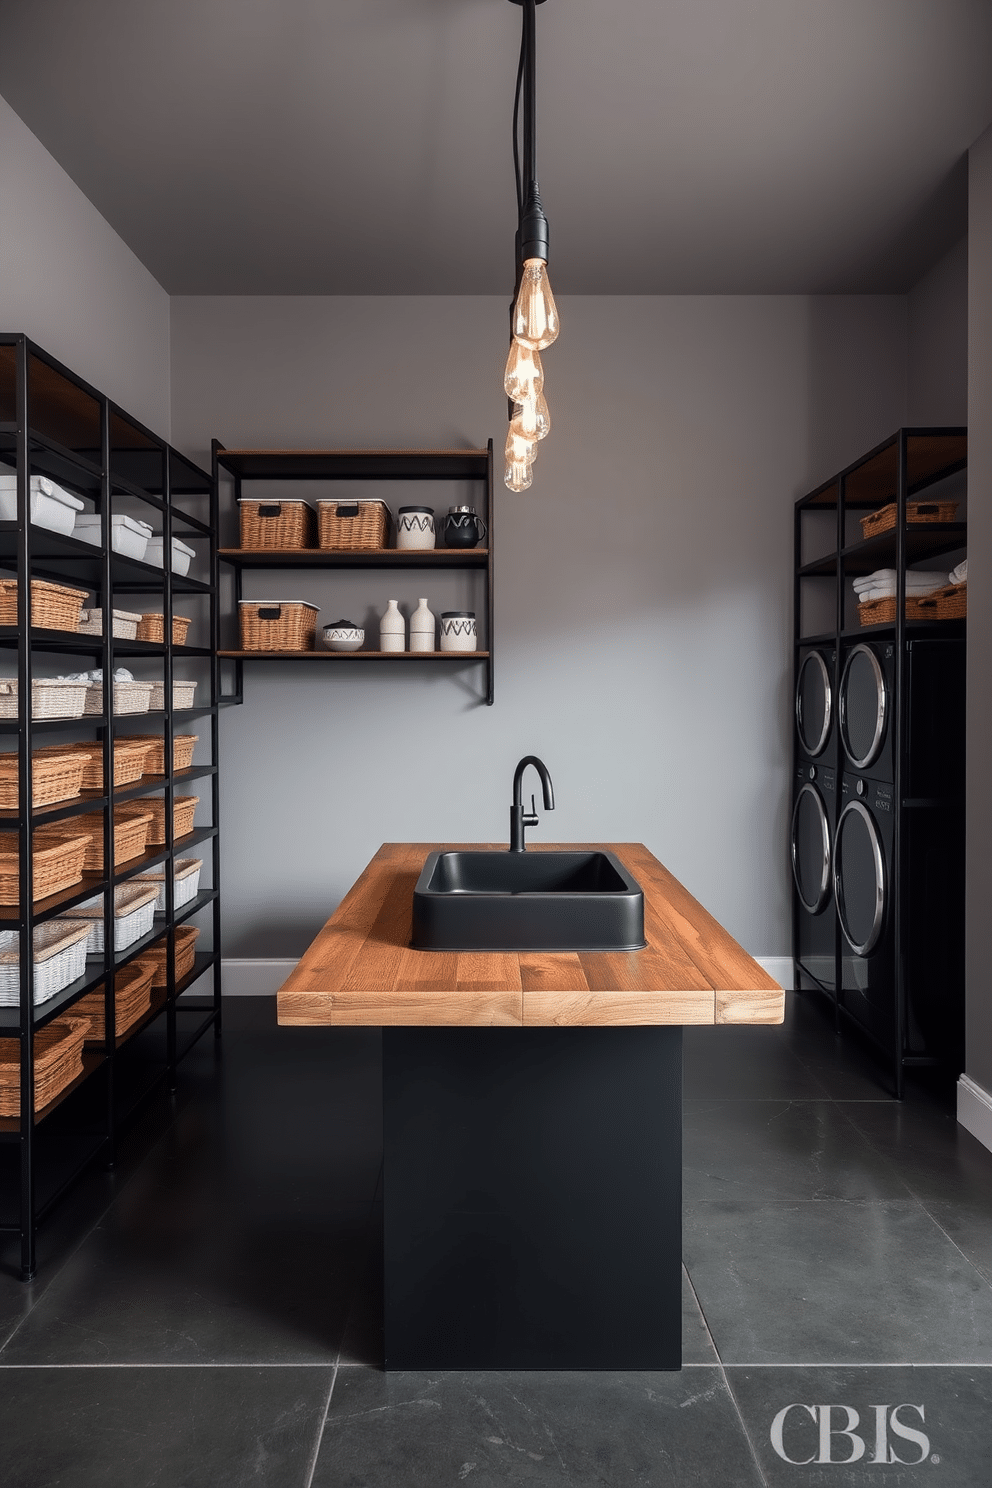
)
(534, 317)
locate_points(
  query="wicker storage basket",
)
(129, 761)
(277, 625)
(130, 834)
(354, 525)
(59, 958)
(949, 603)
(59, 856)
(58, 1060)
(183, 812)
(129, 697)
(134, 915)
(182, 695)
(884, 520)
(57, 774)
(182, 751)
(124, 626)
(51, 697)
(278, 524)
(53, 606)
(185, 883)
(883, 611)
(185, 955)
(132, 999)
(152, 628)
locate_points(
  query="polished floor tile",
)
(950, 1409)
(489, 1430)
(160, 1428)
(744, 1064)
(697, 1345)
(780, 1150)
(938, 1160)
(835, 1282)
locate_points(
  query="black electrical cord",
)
(516, 123)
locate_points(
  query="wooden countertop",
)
(362, 970)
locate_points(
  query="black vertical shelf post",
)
(25, 797)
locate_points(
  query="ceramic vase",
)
(458, 630)
(422, 628)
(392, 629)
(415, 527)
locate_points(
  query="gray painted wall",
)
(643, 586)
(979, 1052)
(73, 285)
(938, 342)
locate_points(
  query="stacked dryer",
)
(898, 845)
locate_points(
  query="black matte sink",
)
(527, 901)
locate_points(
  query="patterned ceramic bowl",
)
(343, 636)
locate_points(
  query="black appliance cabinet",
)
(916, 955)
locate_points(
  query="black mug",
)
(463, 527)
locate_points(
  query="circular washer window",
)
(863, 706)
(814, 703)
(859, 878)
(811, 849)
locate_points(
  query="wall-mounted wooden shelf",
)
(351, 465)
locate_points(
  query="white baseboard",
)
(975, 1110)
(263, 978)
(254, 978)
(779, 967)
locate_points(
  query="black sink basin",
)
(527, 901)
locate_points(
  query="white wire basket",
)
(134, 916)
(59, 958)
(185, 883)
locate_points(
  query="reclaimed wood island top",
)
(361, 968)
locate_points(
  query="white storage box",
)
(129, 697)
(182, 695)
(51, 506)
(181, 554)
(185, 883)
(134, 916)
(51, 697)
(128, 537)
(59, 958)
(125, 624)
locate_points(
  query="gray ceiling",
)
(363, 146)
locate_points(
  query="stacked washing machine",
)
(878, 841)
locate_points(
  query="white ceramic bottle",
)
(422, 628)
(392, 629)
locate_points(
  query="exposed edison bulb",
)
(519, 449)
(524, 375)
(535, 315)
(518, 475)
(531, 418)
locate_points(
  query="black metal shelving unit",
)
(53, 423)
(829, 552)
(356, 465)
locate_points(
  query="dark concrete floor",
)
(208, 1316)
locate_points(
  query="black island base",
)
(532, 1189)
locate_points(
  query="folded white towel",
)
(959, 575)
(917, 579)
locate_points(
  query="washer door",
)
(863, 706)
(814, 703)
(859, 878)
(811, 849)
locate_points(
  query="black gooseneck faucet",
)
(518, 818)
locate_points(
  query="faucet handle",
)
(530, 817)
